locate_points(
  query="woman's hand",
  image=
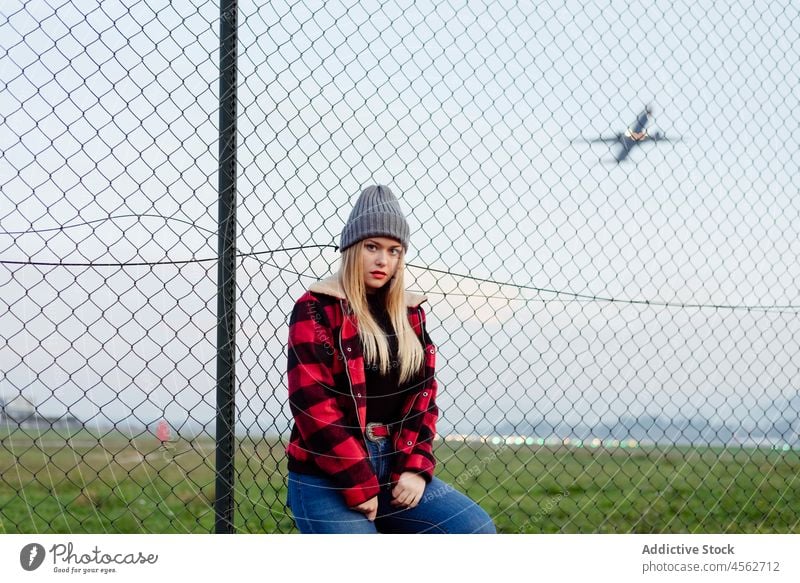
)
(408, 491)
(368, 508)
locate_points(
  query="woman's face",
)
(379, 257)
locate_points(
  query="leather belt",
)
(378, 431)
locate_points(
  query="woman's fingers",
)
(405, 498)
(406, 502)
(400, 499)
(408, 490)
(369, 508)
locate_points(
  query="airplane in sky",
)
(635, 135)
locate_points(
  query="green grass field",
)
(119, 485)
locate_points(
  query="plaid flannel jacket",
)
(327, 396)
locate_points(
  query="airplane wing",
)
(624, 151)
(659, 137)
(601, 140)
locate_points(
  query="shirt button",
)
(431, 350)
(350, 349)
(358, 394)
(408, 443)
(424, 393)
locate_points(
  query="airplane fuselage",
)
(638, 131)
(641, 123)
(634, 134)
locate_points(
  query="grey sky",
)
(468, 112)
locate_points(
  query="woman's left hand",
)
(408, 491)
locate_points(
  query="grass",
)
(116, 484)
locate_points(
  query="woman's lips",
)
(377, 274)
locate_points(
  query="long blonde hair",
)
(410, 352)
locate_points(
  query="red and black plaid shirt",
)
(328, 400)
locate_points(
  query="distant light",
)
(496, 440)
(529, 441)
(596, 442)
(786, 447)
(578, 443)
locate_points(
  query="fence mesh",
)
(603, 206)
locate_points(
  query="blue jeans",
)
(318, 506)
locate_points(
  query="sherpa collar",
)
(331, 286)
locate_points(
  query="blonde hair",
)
(410, 352)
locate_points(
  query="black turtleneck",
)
(384, 397)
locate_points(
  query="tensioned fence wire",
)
(617, 339)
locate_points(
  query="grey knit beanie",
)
(376, 214)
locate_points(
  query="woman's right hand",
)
(368, 508)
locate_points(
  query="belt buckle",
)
(371, 436)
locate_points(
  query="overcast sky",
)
(468, 112)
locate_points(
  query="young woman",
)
(362, 393)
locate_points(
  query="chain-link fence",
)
(603, 202)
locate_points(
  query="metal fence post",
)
(226, 271)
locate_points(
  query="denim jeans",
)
(318, 507)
